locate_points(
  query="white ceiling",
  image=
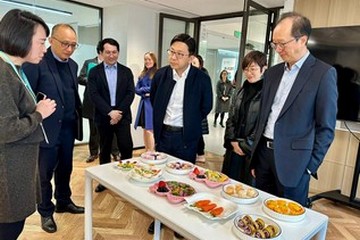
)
(187, 8)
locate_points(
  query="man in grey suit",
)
(297, 114)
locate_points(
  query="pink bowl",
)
(194, 177)
(154, 188)
(171, 198)
(213, 184)
(175, 199)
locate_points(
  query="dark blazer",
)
(197, 100)
(88, 109)
(305, 127)
(44, 77)
(99, 92)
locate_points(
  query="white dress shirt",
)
(286, 83)
(174, 110)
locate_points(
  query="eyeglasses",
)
(66, 45)
(281, 45)
(251, 69)
(177, 54)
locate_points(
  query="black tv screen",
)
(340, 47)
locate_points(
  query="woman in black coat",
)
(224, 91)
(242, 119)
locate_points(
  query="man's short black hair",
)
(110, 41)
(185, 38)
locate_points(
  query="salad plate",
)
(145, 173)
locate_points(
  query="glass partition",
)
(85, 19)
(169, 27)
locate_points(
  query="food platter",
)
(203, 203)
(211, 178)
(173, 190)
(179, 167)
(145, 173)
(155, 158)
(253, 226)
(126, 165)
(240, 193)
(284, 209)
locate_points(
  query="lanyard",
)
(26, 83)
(20, 74)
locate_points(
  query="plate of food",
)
(145, 173)
(284, 209)
(151, 157)
(240, 193)
(211, 206)
(126, 165)
(211, 178)
(179, 167)
(253, 226)
(173, 190)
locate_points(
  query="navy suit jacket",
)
(305, 127)
(197, 101)
(44, 77)
(98, 88)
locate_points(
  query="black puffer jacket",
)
(241, 123)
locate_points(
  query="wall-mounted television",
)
(340, 47)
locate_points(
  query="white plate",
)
(179, 171)
(239, 232)
(162, 160)
(137, 177)
(283, 217)
(239, 199)
(230, 208)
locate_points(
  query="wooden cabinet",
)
(330, 13)
(344, 13)
(316, 10)
(336, 172)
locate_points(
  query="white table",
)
(182, 220)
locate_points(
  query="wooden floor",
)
(114, 218)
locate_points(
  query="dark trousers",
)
(57, 161)
(201, 146)
(124, 141)
(267, 180)
(237, 167)
(11, 231)
(222, 115)
(172, 143)
(94, 141)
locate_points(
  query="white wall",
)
(136, 30)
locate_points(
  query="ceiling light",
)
(37, 7)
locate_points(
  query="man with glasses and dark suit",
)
(297, 114)
(55, 77)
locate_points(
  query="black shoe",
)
(70, 208)
(92, 158)
(152, 226)
(222, 125)
(48, 224)
(100, 188)
(116, 157)
(178, 236)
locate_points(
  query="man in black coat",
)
(112, 90)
